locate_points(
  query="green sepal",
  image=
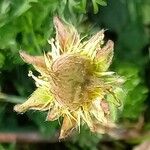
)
(39, 100)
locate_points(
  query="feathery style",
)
(74, 82)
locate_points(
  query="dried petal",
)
(69, 124)
(37, 61)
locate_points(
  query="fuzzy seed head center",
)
(71, 74)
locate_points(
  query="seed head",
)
(74, 82)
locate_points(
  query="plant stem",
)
(10, 98)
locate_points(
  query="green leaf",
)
(2, 148)
(21, 7)
(2, 60)
(5, 7)
(47, 128)
(96, 3)
(81, 6)
(101, 2)
(95, 6)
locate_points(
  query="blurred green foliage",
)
(27, 24)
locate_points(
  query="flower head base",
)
(74, 82)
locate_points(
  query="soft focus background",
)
(27, 25)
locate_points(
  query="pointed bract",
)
(39, 100)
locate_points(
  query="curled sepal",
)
(39, 100)
(104, 56)
(68, 125)
(66, 35)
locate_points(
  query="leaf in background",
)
(2, 148)
(2, 112)
(45, 127)
(11, 146)
(2, 60)
(5, 6)
(146, 11)
(4, 9)
(136, 92)
(20, 7)
(101, 2)
(81, 6)
(95, 6)
(96, 3)
(80, 142)
(8, 40)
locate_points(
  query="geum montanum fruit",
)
(74, 82)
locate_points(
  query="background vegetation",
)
(27, 24)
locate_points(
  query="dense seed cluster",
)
(74, 82)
